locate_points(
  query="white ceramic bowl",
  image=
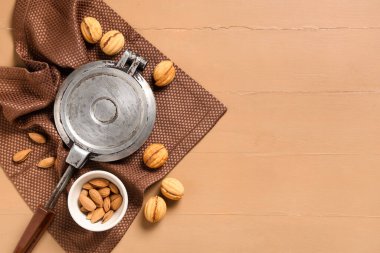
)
(79, 217)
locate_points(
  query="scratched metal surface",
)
(105, 111)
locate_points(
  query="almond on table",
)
(37, 138)
(21, 155)
(46, 163)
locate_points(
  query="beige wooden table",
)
(294, 165)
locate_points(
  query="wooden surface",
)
(294, 165)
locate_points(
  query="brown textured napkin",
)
(48, 39)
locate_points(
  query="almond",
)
(97, 215)
(84, 192)
(107, 204)
(99, 182)
(83, 210)
(37, 138)
(114, 188)
(87, 186)
(104, 192)
(46, 163)
(87, 203)
(89, 215)
(116, 203)
(96, 197)
(21, 155)
(114, 196)
(107, 216)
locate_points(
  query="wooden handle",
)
(33, 232)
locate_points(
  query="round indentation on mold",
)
(104, 110)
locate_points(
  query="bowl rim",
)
(90, 175)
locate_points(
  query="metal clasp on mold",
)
(134, 61)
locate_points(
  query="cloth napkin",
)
(48, 40)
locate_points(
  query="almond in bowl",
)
(97, 200)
